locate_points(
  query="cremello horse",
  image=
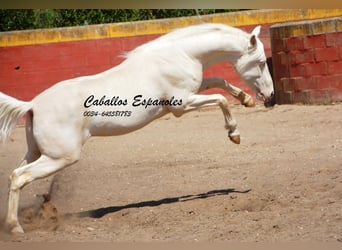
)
(161, 76)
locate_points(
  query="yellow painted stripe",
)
(43, 36)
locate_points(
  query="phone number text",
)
(112, 113)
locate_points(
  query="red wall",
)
(308, 67)
(25, 71)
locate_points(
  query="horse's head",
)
(253, 69)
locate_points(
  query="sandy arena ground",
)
(181, 179)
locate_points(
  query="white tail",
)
(11, 110)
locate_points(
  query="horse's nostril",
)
(270, 101)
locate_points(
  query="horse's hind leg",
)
(33, 152)
(42, 167)
(239, 94)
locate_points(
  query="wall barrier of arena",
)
(33, 60)
(307, 61)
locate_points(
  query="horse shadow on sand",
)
(100, 212)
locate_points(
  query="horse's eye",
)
(262, 64)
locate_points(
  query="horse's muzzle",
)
(270, 102)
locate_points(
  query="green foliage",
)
(16, 19)
(44, 18)
(50, 18)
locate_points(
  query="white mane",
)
(181, 34)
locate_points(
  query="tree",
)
(51, 18)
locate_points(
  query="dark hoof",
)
(235, 138)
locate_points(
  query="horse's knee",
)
(177, 112)
(17, 180)
(71, 158)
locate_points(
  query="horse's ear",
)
(255, 34)
(256, 31)
(253, 42)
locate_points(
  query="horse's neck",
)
(213, 48)
(207, 45)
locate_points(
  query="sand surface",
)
(181, 179)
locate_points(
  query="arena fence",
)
(307, 61)
(33, 60)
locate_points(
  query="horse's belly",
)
(108, 123)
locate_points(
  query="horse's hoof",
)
(245, 99)
(235, 138)
(15, 229)
(250, 103)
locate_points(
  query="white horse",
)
(161, 76)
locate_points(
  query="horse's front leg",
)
(239, 94)
(200, 101)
